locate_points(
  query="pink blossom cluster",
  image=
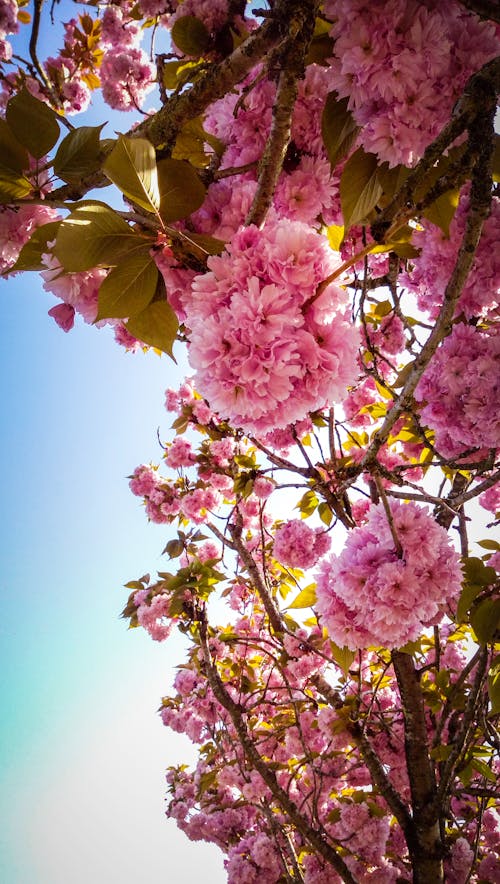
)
(432, 269)
(264, 356)
(376, 594)
(127, 75)
(460, 391)
(8, 25)
(161, 498)
(17, 226)
(403, 64)
(154, 617)
(78, 291)
(296, 545)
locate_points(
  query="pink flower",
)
(373, 594)
(299, 546)
(263, 361)
(64, 315)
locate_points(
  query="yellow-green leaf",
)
(343, 657)
(13, 186)
(190, 144)
(33, 123)
(306, 597)
(131, 165)
(338, 128)
(79, 153)
(181, 190)
(494, 687)
(30, 256)
(190, 35)
(156, 325)
(360, 188)
(128, 288)
(442, 210)
(93, 235)
(485, 620)
(335, 234)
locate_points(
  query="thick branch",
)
(163, 127)
(292, 62)
(483, 8)
(473, 105)
(312, 836)
(427, 850)
(480, 202)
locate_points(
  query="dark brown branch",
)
(426, 849)
(292, 60)
(480, 202)
(312, 836)
(488, 9)
(473, 105)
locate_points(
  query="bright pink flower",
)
(261, 360)
(299, 546)
(369, 595)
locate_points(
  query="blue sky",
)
(83, 784)
(84, 752)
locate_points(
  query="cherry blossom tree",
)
(311, 210)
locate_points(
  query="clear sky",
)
(83, 750)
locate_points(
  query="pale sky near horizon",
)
(84, 751)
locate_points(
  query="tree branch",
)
(316, 839)
(292, 69)
(426, 849)
(480, 202)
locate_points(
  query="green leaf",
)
(360, 188)
(33, 123)
(156, 325)
(14, 156)
(477, 572)
(484, 769)
(30, 256)
(485, 620)
(13, 186)
(190, 144)
(489, 544)
(335, 234)
(494, 687)
(338, 128)
(128, 288)
(79, 153)
(305, 599)
(190, 35)
(343, 657)
(94, 236)
(320, 49)
(181, 189)
(307, 503)
(325, 513)
(392, 179)
(131, 165)
(441, 212)
(206, 245)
